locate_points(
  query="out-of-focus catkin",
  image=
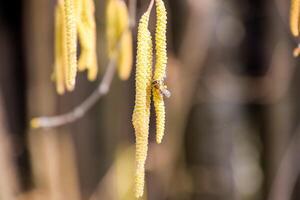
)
(125, 56)
(295, 23)
(295, 17)
(71, 43)
(119, 36)
(125, 48)
(111, 30)
(160, 68)
(74, 17)
(59, 49)
(87, 38)
(141, 111)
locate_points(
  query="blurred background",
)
(233, 121)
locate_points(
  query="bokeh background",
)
(233, 121)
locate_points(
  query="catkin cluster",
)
(148, 84)
(295, 22)
(119, 37)
(74, 19)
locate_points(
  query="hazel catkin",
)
(295, 17)
(160, 68)
(125, 47)
(141, 111)
(59, 49)
(87, 39)
(71, 43)
(119, 37)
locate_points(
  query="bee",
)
(159, 85)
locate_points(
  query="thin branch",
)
(86, 105)
(150, 6)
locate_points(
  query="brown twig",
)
(80, 111)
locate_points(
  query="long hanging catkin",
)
(125, 48)
(111, 24)
(160, 68)
(87, 39)
(59, 49)
(119, 37)
(141, 111)
(71, 43)
(125, 56)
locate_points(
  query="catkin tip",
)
(70, 87)
(60, 90)
(159, 139)
(139, 187)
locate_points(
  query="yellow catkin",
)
(119, 36)
(159, 105)
(122, 21)
(71, 43)
(125, 56)
(64, 50)
(125, 47)
(111, 30)
(78, 9)
(295, 17)
(160, 68)
(87, 37)
(82, 37)
(141, 113)
(59, 56)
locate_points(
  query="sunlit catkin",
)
(119, 37)
(141, 111)
(125, 47)
(159, 105)
(71, 43)
(295, 17)
(125, 56)
(160, 68)
(59, 50)
(87, 38)
(111, 24)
